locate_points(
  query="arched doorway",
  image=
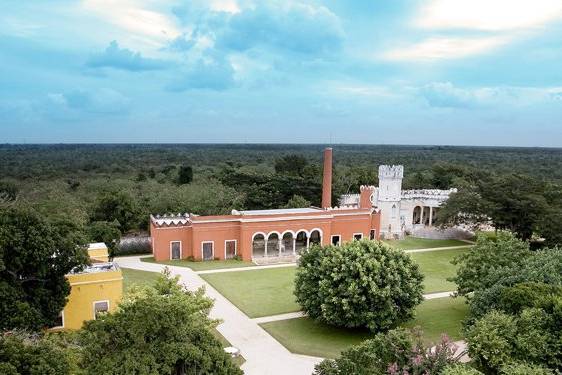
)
(258, 245)
(287, 244)
(272, 246)
(315, 237)
(416, 219)
(301, 241)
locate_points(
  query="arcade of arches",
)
(424, 215)
(275, 244)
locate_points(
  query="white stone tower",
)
(390, 192)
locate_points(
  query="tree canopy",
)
(35, 256)
(359, 284)
(163, 329)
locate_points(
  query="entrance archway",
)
(301, 241)
(315, 237)
(287, 244)
(272, 245)
(258, 245)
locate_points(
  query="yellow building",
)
(98, 252)
(97, 289)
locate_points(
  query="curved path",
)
(264, 355)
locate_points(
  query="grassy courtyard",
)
(437, 267)
(131, 276)
(264, 292)
(260, 292)
(412, 243)
(202, 266)
(305, 336)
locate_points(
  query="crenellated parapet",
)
(391, 171)
(171, 219)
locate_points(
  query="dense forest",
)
(115, 187)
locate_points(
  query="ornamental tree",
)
(359, 284)
(35, 256)
(163, 329)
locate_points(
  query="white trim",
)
(302, 230)
(94, 306)
(288, 231)
(212, 248)
(319, 231)
(256, 233)
(274, 232)
(235, 247)
(181, 249)
(332, 239)
(357, 234)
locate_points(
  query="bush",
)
(524, 369)
(460, 370)
(396, 352)
(360, 284)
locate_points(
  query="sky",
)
(439, 72)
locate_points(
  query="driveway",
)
(264, 355)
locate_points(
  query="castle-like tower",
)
(389, 197)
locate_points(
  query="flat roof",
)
(281, 211)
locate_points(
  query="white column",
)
(421, 215)
(294, 245)
(430, 216)
(265, 254)
(307, 242)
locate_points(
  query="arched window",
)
(258, 245)
(272, 246)
(315, 237)
(301, 241)
(394, 211)
(287, 244)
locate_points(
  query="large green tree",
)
(116, 206)
(359, 284)
(35, 256)
(163, 329)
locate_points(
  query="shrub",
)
(459, 369)
(524, 369)
(360, 284)
(396, 352)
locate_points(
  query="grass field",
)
(257, 292)
(412, 243)
(264, 292)
(202, 266)
(437, 267)
(305, 336)
(131, 276)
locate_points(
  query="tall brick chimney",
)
(327, 179)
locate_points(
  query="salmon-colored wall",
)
(345, 223)
(162, 236)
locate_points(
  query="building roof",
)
(97, 246)
(278, 211)
(98, 267)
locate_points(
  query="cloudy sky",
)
(474, 72)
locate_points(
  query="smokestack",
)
(327, 179)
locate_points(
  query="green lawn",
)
(305, 336)
(437, 267)
(264, 292)
(202, 266)
(412, 243)
(257, 292)
(131, 276)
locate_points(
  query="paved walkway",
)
(252, 268)
(264, 355)
(437, 249)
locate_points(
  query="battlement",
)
(171, 219)
(391, 171)
(367, 187)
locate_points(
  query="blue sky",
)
(461, 72)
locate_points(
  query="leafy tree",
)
(35, 256)
(460, 369)
(116, 206)
(498, 339)
(395, 352)
(525, 369)
(185, 174)
(478, 268)
(31, 354)
(106, 232)
(359, 284)
(9, 192)
(163, 329)
(297, 201)
(291, 164)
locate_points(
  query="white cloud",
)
(148, 26)
(446, 48)
(489, 15)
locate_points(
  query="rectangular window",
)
(336, 239)
(100, 307)
(175, 250)
(229, 249)
(357, 236)
(372, 234)
(207, 248)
